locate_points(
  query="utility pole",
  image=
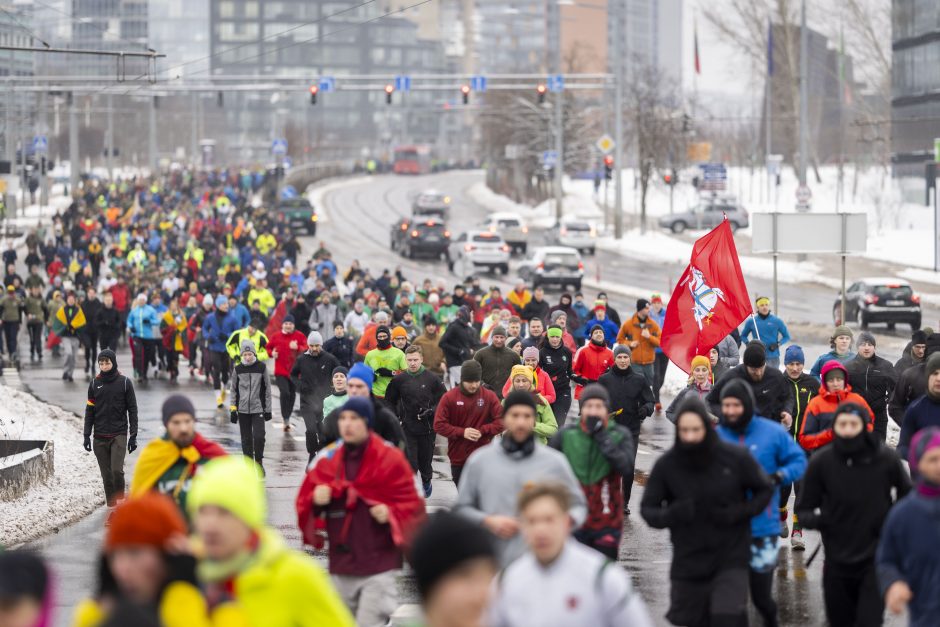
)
(194, 129)
(555, 13)
(804, 76)
(109, 140)
(152, 143)
(74, 157)
(43, 159)
(618, 115)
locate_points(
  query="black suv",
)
(420, 236)
(879, 300)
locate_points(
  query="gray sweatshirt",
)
(492, 479)
(581, 587)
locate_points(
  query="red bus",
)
(412, 159)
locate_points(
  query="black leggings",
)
(35, 338)
(288, 395)
(252, 431)
(91, 351)
(785, 490)
(219, 368)
(851, 595)
(762, 596)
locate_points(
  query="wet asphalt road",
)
(355, 225)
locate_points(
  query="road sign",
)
(327, 84)
(549, 159)
(41, 144)
(478, 83)
(403, 83)
(698, 151)
(803, 194)
(605, 144)
(556, 83)
(279, 147)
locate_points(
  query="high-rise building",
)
(652, 37)
(108, 25)
(915, 84)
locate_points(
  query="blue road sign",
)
(550, 158)
(478, 83)
(40, 144)
(403, 83)
(714, 171)
(556, 83)
(327, 84)
(279, 146)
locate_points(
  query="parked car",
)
(431, 203)
(707, 214)
(299, 214)
(511, 227)
(879, 299)
(412, 237)
(574, 234)
(479, 248)
(553, 265)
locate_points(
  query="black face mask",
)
(518, 450)
(598, 342)
(699, 454)
(851, 447)
(383, 343)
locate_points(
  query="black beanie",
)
(739, 389)
(340, 370)
(755, 356)
(520, 397)
(110, 356)
(23, 575)
(447, 541)
(595, 390)
(471, 371)
(919, 337)
(177, 404)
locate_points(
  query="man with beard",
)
(874, 379)
(111, 412)
(915, 352)
(705, 492)
(168, 464)
(430, 343)
(847, 492)
(497, 361)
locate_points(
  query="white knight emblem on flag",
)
(704, 297)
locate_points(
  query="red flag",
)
(709, 301)
(698, 64)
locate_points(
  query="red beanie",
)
(147, 520)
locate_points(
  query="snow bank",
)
(76, 488)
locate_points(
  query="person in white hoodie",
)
(559, 581)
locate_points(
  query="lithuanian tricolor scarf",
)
(160, 455)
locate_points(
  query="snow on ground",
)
(75, 489)
(542, 215)
(918, 274)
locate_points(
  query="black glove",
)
(682, 511)
(234, 416)
(87, 443)
(773, 347)
(132, 444)
(267, 416)
(777, 478)
(594, 424)
(384, 372)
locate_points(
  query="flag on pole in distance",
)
(709, 301)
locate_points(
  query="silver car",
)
(553, 265)
(511, 227)
(706, 215)
(478, 248)
(574, 234)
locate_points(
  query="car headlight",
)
(313, 218)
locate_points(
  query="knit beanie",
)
(220, 300)
(840, 331)
(518, 397)
(362, 372)
(177, 404)
(110, 356)
(865, 338)
(470, 371)
(230, 482)
(498, 330)
(701, 360)
(511, 342)
(919, 337)
(343, 370)
(933, 364)
(399, 332)
(530, 353)
(641, 304)
(521, 370)
(362, 407)
(595, 390)
(923, 441)
(23, 574)
(147, 520)
(621, 349)
(248, 346)
(933, 344)
(595, 327)
(289, 318)
(755, 356)
(446, 542)
(314, 339)
(794, 354)
(558, 313)
(383, 329)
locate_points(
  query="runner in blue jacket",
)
(784, 461)
(768, 329)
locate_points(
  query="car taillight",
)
(404, 227)
(447, 234)
(414, 234)
(505, 248)
(492, 229)
(915, 298)
(871, 299)
(525, 229)
(564, 231)
(541, 265)
(593, 232)
(469, 247)
(581, 265)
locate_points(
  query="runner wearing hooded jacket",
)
(816, 430)
(591, 361)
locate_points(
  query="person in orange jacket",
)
(641, 334)
(367, 341)
(816, 428)
(591, 361)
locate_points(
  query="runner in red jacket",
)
(469, 416)
(285, 346)
(591, 361)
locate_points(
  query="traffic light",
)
(219, 99)
(465, 92)
(389, 90)
(671, 178)
(608, 167)
(540, 90)
(314, 90)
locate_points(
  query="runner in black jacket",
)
(771, 392)
(313, 375)
(414, 395)
(705, 492)
(111, 413)
(555, 359)
(107, 323)
(458, 343)
(874, 378)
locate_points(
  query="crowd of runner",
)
(541, 405)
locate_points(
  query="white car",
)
(511, 227)
(479, 248)
(553, 265)
(575, 234)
